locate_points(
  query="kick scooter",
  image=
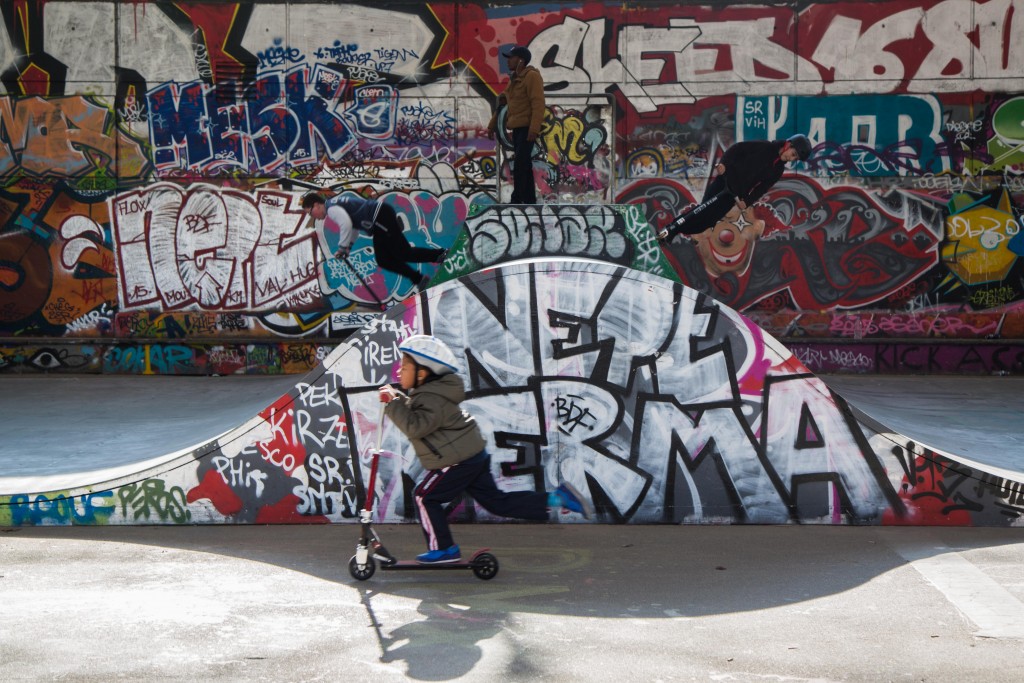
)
(380, 304)
(370, 550)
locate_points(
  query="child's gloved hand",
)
(387, 393)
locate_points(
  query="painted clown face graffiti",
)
(729, 245)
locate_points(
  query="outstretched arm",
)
(339, 221)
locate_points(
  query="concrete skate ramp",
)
(64, 430)
(657, 402)
(975, 417)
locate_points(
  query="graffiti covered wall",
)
(152, 156)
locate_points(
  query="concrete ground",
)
(570, 603)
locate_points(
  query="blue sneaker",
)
(440, 556)
(572, 500)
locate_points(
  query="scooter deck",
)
(482, 563)
(413, 564)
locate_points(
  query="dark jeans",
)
(523, 189)
(393, 251)
(715, 187)
(703, 216)
(440, 487)
(716, 202)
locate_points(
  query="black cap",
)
(521, 52)
(801, 144)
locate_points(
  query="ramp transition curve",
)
(660, 404)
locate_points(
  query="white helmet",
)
(431, 353)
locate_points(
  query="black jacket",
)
(362, 211)
(752, 167)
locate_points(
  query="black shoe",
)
(442, 253)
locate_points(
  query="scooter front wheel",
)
(361, 572)
(485, 566)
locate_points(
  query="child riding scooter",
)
(451, 448)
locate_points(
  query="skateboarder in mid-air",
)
(451, 448)
(346, 216)
(747, 170)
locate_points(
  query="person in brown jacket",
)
(448, 443)
(524, 97)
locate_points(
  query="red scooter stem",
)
(369, 542)
(372, 482)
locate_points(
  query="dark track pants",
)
(440, 487)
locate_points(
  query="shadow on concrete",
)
(559, 571)
(585, 570)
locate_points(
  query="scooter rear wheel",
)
(485, 566)
(361, 572)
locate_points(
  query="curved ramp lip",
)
(536, 260)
